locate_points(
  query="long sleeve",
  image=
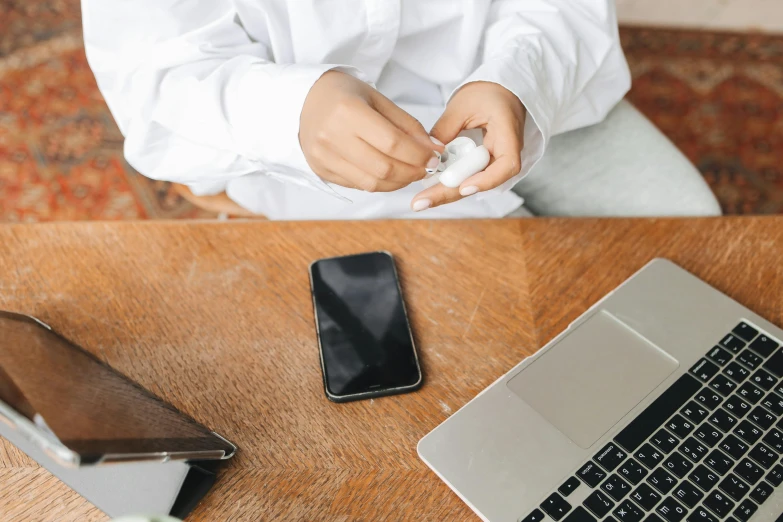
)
(563, 60)
(198, 101)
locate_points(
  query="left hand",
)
(500, 113)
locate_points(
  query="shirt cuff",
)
(268, 107)
(517, 70)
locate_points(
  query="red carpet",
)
(718, 96)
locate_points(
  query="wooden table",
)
(217, 319)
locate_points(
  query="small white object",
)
(465, 159)
(462, 159)
(143, 518)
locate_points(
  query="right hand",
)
(353, 136)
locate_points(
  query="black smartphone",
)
(363, 332)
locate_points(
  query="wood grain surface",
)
(217, 319)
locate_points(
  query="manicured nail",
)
(436, 141)
(468, 191)
(421, 204)
(434, 161)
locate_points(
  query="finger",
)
(380, 166)
(435, 196)
(505, 145)
(355, 177)
(405, 122)
(450, 123)
(387, 138)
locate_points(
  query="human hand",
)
(499, 112)
(353, 136)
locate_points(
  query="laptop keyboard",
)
(706, 450)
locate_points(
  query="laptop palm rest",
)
(592, 378)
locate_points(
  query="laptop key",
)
(748, 432)
(736, 372)
(774, 439)
(579, 515)
(688, 494)
(749, 471)
(648, 456)
(555, 506)
(646, 497)
(678, 464)
(719, 503)
(708, 434)
(745, 332)
(701, 515)
(736, 406)
(610, 456)
(763, 345)
(722, 384)
(664, 440)
(750, 393)
(774, 364)
(709, 398)
(732, 343)
(569, 486)
(719, 462)
(647, 422)
(652, 517)
(734, 487)
(775, 476)
(745, 510)
(722, 420)
(536, 516)
(774, 403)
(671, 510)
(703, 477)
(598, 503)
(719, 356)
(750, 359)
(591, 474)
(763, 379)
(616, 487)
(679, 426)
(704, 369)
(632, 471)
(734, 447)
(693, 449)
(762, 418)
(763, 455)
(628, 512)
(662, 480)
(694, 412)
(761, 493)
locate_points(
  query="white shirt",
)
(209, 92)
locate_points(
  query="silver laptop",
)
(662, 403)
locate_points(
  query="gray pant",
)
(623, 166)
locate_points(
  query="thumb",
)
(450, 123)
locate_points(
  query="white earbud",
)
(462, 159)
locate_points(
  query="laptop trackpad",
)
(590, 379)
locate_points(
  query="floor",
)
(733, 15)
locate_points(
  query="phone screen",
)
(366, 343)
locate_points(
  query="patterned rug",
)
(718, 96)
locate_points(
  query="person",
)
(305, 109)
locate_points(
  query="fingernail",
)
(468, 191)
(436, 141)
(421, 204)
(434, 161)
